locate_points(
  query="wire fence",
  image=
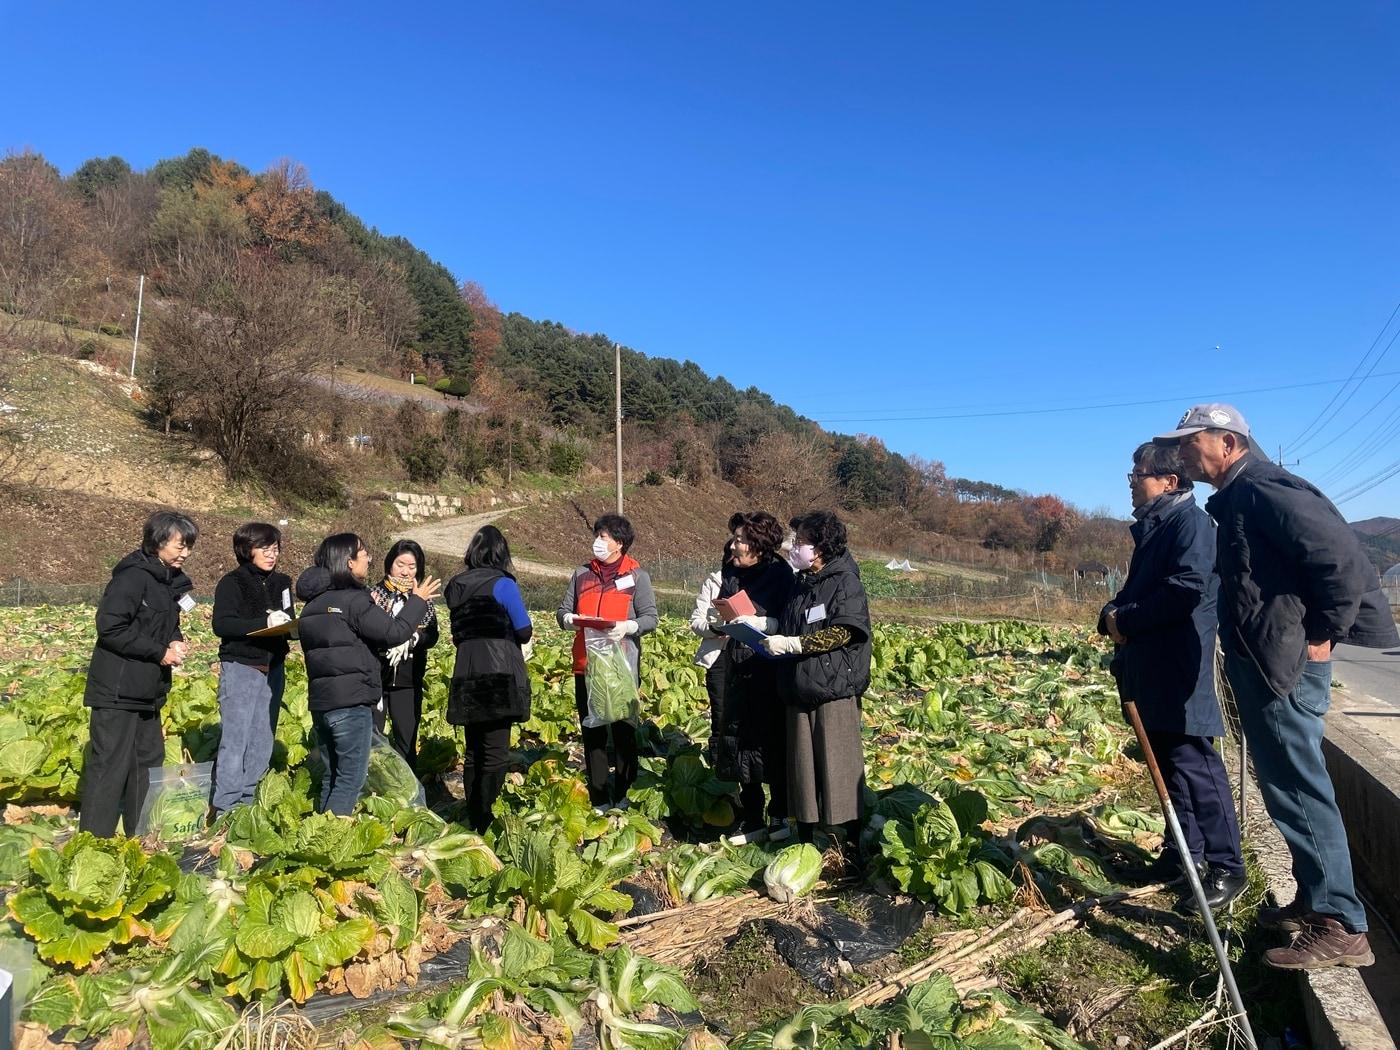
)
(22, 592)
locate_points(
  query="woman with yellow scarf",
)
(404, 665)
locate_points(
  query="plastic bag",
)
(20, 974)
(611, 680)
(177, 802)
(390, 776)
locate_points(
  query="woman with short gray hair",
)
(138, 642)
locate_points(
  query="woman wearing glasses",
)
(252, 597)
(1164, 624)
(138, 642)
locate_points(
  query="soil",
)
(672, 523)
(66, 542)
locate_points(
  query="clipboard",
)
(750, 636)
(288, 629)
(597, 623)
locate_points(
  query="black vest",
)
(489, 681)
(833, 597)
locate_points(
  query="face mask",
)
(800, 556)
(600, 549)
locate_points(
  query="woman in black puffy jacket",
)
(341, 630)
(490, 687)
(138, 642)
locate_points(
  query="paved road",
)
(1371, 672)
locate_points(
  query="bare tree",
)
(244, 341)
(43, 248)
(789, 472)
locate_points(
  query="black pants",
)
(123, 747)
(484, 760)
(405, 712)
(1199, 789)
(596, 761)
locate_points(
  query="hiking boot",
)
(1289, 918)
(1323, 942)
(1221, 887)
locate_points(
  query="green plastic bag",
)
(611, 682)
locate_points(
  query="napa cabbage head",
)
(793, 872)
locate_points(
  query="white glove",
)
(714, 620)
(527, 650)
(762, 624)
(782, 645)
(569, 619)
(398, 653)
(619, 631)
(276, 618)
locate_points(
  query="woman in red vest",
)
(609, 586)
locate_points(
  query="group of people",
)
(1271, 567)
(787, 716)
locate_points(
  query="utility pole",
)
(136, 338)
(1281, 463)
(617, 376)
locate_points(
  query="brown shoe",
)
(1323, 942)
(1288, 918)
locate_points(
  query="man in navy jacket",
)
(1164, 623)
(1294, 581)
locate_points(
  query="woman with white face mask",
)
(610, 586)
(825, 630)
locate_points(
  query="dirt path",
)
(451, 536)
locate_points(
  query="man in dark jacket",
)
(1164, 623)
(138, 642)
(1293, 582)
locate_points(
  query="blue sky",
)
(875, 212)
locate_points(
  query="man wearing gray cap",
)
(1294, 581)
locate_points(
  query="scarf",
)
(389, 596)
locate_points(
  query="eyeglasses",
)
(271, 548)
(1133, 475)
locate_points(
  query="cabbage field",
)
(995, 768)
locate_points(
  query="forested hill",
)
(301, 283)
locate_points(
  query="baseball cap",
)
(1212, 416)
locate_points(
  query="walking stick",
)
(1192, 876)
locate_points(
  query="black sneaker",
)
(1288, 918)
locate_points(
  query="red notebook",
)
(734, 606)
(594, 622)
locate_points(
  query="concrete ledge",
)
(1365, 769)
(1341, 1013)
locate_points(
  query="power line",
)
(1178, 399)
(1313, 426)
(1367, 484)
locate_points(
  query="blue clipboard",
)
(750, 636)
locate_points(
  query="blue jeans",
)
(345, 736)
(249, 703)
(1284, 734)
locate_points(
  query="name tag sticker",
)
(286, 598)
(816, 613)
(625, 582)
(186, 602)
